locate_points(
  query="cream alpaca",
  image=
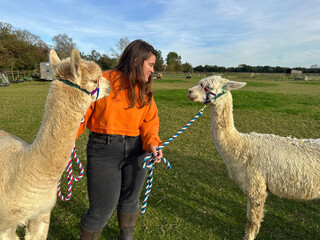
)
(259, 163)
(30, 173)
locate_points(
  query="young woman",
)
(124, 127)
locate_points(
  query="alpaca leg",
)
(9, 234)
(255, 211)
(37, 228)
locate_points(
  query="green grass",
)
(261, 84)
(196, 199)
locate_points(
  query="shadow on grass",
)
(199, 200)
(194, 200)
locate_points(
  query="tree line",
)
(255, 69)
(22, 50)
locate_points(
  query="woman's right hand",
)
(156, 153)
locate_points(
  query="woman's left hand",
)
(156, 153)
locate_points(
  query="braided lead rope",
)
(70, 176)
(149, 161)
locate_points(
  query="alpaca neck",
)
(224, 133)
(52, 147)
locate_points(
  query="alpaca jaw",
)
(104, 88)
(196, 94)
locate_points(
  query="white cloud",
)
(214, 32)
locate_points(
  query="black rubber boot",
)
(86, 234)
(127, 222)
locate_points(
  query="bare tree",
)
(120, 46)
(63, 45)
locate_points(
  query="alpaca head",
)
(209, 89)
(83, 74)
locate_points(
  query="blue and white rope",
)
(149, 161)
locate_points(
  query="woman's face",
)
(148, 65)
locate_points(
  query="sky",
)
(283, 33)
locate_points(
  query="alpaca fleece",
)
(259, 163)
(30, 173)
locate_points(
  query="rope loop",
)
(70, 176)
(149, 161)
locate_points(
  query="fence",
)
(14, 76)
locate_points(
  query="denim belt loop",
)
(108, 139)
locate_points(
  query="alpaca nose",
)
(190, 91)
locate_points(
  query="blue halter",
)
(208, 92)
(96, 90)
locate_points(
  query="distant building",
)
(46, 71)
(293, 71)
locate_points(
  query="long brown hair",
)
(130, 66)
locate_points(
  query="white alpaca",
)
(30, 173)
(259, 163)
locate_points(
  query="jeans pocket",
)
(95, 149)
(96, 145)
(96, 141)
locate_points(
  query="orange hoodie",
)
(112, 116)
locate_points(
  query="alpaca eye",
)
(95, 81)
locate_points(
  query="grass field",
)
(196, 199)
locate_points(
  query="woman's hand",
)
(156, 153)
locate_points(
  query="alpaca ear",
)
(232, 85)
(75, 63)
(54, 59)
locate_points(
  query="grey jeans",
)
(115, 177)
